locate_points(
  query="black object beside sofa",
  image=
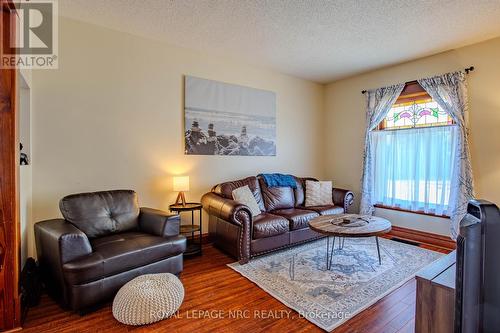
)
(282, 223)
(104, 241)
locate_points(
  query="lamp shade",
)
(181, 183)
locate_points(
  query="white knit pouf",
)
(148, 298)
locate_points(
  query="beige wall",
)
(345, 115)
(25, 171)
(112, 117)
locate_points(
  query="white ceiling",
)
(318, 40)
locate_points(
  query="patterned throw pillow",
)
(244, 196)
(318, 193)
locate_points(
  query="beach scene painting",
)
(228, 119)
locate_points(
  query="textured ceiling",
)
(313, 39)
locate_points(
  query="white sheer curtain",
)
(413, 167)
(450, 92)
(378, 103)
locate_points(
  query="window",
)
(414, 148)
(419, 113)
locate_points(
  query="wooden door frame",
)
(9, 184)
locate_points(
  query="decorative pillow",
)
(244, 196)
(318, 193)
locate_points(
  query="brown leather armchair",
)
(104, 241)
(283, 221)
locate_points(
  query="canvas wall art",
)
(228, 119)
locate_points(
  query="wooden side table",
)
(194, 241)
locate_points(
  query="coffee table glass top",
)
(350, 225)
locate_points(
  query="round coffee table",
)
(348, 225)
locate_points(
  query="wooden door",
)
(9, 183)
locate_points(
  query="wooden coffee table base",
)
(330, 250)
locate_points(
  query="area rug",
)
(298, 277)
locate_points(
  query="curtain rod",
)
(467, 71)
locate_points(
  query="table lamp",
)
(181, 185)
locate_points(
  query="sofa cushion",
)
(102, 213)
(300, 191)
(276, 197)
(226, 189)
(119, 253)
(327, 209)
(267, 225)
(298, 218)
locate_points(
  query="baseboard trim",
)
(206, 239)
(411, 235)
(422, 237)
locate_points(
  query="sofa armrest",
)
(158, 222)
(59, 241)
(235, 213)
(226, 209)
(343, 198)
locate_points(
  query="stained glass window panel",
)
(422, 113)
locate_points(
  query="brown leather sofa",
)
(282, 223)
(104, 241)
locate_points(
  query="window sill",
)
(419, 212)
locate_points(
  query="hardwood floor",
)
(213, 291)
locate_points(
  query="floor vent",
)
(405, 241)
